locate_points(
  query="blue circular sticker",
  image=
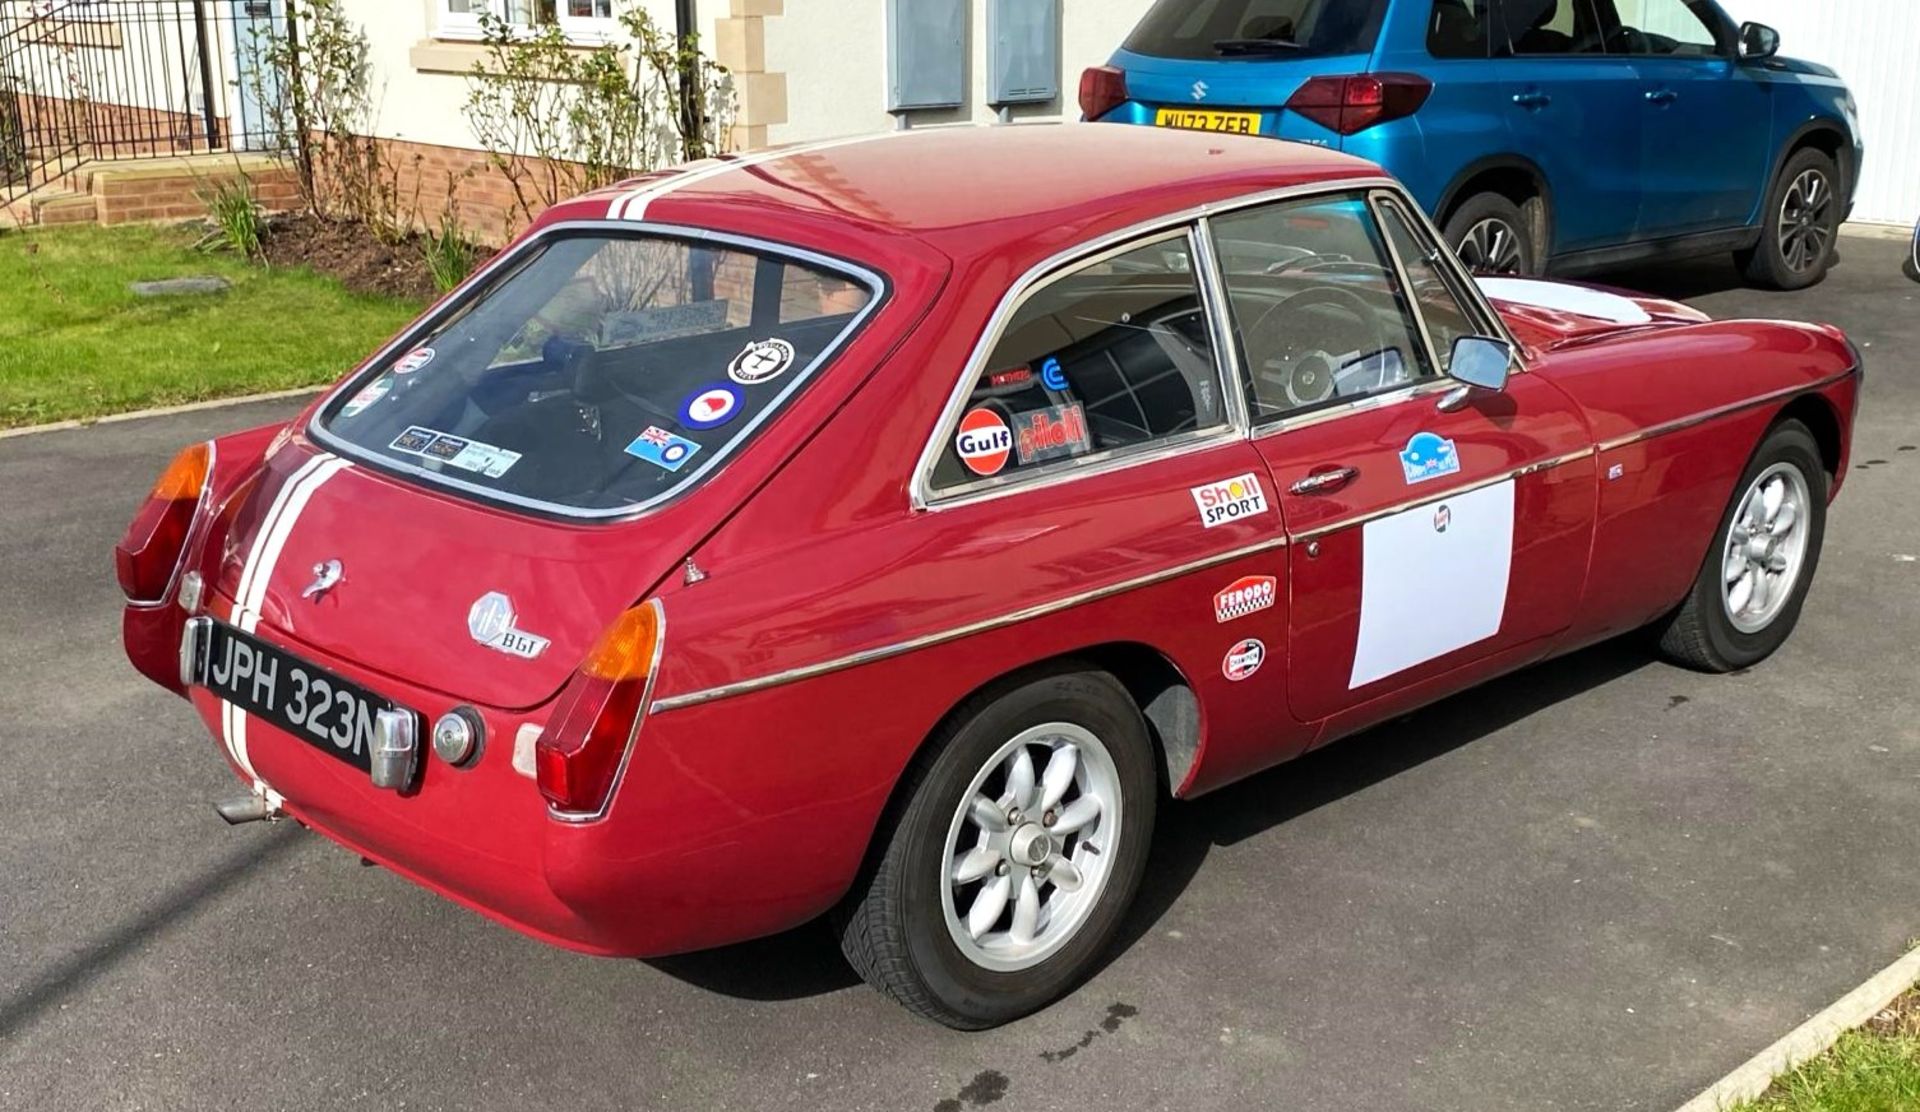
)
(710, 407)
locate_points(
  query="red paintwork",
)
(748, 814)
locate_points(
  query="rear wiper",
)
(1255, 46)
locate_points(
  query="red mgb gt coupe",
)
(885, 527)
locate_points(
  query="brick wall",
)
(132, 196)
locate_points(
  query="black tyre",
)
(1755, 577)
(1020, 842)
(1802, 222)
(1492, 236)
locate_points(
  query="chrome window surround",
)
(1094, 463)
(457, 302)
(1194, 223)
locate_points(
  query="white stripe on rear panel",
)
(633, 205)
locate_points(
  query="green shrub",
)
(236, 217)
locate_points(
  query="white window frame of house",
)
(585, 30)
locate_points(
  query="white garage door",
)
(1871, 43)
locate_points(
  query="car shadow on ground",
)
(806, 961)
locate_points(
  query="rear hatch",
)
(1252, 55)
(471, 513)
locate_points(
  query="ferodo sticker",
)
(1051, 433)
(413, 361)
(1229, 500)
(983, 442)
(760, 361)
(1244, 659)
(1246, 595)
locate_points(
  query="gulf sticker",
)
(413, 361)
(1229, 500)
(1244, 659)
(1243, 596)
(983, 442)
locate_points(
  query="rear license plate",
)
(331, 714)
(1200, 119)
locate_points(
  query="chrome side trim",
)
(1678, 424)
(899, 648)
(919, 489)
(1413, 391)
(1428, 499)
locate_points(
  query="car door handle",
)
(1662, 97)
(1323, 482)
(1532, 100)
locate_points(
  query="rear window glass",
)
(1257, 28)
(602, 373)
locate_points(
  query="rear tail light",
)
(1355, 102)
(149, 554)
(581, 752)
(1102, 89)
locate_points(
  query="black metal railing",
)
(82, 80)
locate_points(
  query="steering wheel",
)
(1300, 342)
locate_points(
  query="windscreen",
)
(602, 373)
(1257, 28)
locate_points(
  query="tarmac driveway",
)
(1598, 884)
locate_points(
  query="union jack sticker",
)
(1244, 596)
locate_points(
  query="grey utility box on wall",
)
(1023, 51)
(926, 54)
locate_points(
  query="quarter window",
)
(1441, 306)
(1115, 355)
(1317, 307)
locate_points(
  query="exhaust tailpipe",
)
(245, 808)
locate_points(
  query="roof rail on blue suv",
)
(1545, 136)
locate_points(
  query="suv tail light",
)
(1102, 89)
(1355, 102)
(581, 752)
(149, 554)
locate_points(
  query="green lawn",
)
(1874, 1069)
(75, 342)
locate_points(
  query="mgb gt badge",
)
(491, 623)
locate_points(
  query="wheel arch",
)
(1818, 415)
(1824, 134)
(1517, 178)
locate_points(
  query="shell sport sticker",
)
(369, 394)
(413, 361)
(1229, 500)
(1428, 456)
(760, 361)
(983, 442)
(1246, 595)
(1051, 433)
(1244, 659)
(662, 448)
(711, 407)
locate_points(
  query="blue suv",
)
(1543, 135)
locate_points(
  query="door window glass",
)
(1458, 28)
(1112, 356)
(1535, 27)
(1317, 307)
(1672, 27)
(1434, 289)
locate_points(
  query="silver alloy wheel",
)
(1766, 548)
(1490, 247)
(1803, 234)
(1030, 848)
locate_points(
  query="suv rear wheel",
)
(1491, 235)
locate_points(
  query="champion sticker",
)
(760, 361)
(1244, 659)
(1428, 456)
(662, 449)
(710, 408)
(1051, 433)
(413, 361)
(1229, 500)
(1247, 595)
(983, 442)
(369, 394)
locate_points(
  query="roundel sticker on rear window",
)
(983, 442)
(761, 360)
(413, 361)
(710, 408)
